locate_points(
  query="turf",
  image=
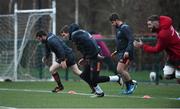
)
(38, 95)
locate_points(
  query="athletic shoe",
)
(57, 89)
(98, 95)
(130, 88)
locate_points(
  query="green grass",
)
(161, 96)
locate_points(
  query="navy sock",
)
(57, 79)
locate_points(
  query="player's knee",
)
(77, 71)
(120, 70)
(177, 74)
(52, 70)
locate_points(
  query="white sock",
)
(114, 78)
(98, 89)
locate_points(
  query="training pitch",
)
(77, 95)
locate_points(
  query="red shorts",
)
(125, 61)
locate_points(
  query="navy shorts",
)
(95, 65)
(70, 60)
(120, 57)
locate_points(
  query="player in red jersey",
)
(167, 40)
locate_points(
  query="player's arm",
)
(128, 33)
(47, 58)
(82, 62)
(161, 44)
(47, 51)
(153, 49)
(113, 54)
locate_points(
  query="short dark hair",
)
(114, 16)
(65, 29)
(41, 33)
(153, 18)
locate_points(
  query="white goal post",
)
(24, 26)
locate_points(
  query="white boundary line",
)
(4, 107)
(84, 94)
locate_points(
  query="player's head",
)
(114, 19)
(64, 32)
(67, 31)
(73, 27)
(153, 23)
(41, 36)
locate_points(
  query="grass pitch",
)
(38, 95)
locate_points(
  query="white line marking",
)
(85, 94)
(4, 107)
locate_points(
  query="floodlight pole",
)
(54, 16)
(77, 11)
(15, 41)
(54, 24)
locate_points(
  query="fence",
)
(142, 65)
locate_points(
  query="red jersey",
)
(104, 49)
(167, 39)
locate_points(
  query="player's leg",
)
(55, 75)
(122, 68)
(95, 69)
(96, 89)
(171, 69)
(76, 70)
(72, 64)
(93, 77)
(85, 75)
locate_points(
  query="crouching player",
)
(168, 40)
(64, 58)
(90, 51)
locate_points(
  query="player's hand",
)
(82, 62)
(47, 61)
(43, 59)
(126, 55)
(63, 64)
(113, 54)
(138, 44)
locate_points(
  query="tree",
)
(172, 9)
